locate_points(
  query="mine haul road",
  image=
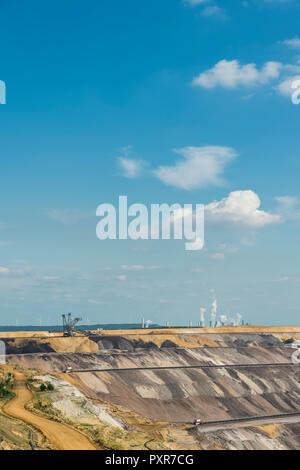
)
(61, 436)
(288, 418)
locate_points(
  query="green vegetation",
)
(6, 386)
(41, 406)
(48, 387)
(5, 392)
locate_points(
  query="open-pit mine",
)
(192, 388)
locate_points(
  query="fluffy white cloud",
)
(293, 43)
(199, 167)
(230, 74)
(285, 88)
(241, 208)
(130, 168)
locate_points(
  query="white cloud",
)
(130, 168)
(289, 207)
(195, 2)
(66, 216)
(122, 277)
(285, 88)
(196, 270)
(96, 302)
(288, 201)
(138, 267)
(50, 278)
(293, 43)
(240, 208)
(207, 10)
(231, 74)
(278, 1)
(200, 167)
(214, 10)
(4, 270)
(218, 256)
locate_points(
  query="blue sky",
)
(100, 94)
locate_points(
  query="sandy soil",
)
(224, 329)
(162, 331)
(29, 334)
(61, 436)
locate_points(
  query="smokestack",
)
(202, 317)
(214, 309)
(143, 322)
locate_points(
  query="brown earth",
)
(131, 343)
(182, 395)
(270, 437)
(171, 397)
(223, 329)
(61, 436)
(150, 331)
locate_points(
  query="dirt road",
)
(263, 421)
(61, 436)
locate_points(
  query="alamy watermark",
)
(296, 354)
(2, 92)
(296, 93)
(2, 352)
(162, 222)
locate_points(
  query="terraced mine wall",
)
(175, 377)
(270, 437)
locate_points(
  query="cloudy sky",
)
(163, 101)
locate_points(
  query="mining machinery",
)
(69, 324)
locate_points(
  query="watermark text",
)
(2, 92)
(296, 93)
(162, 222)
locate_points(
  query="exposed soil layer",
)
(16, 435)
(61, 436)
(131, 342)
(270, 437)
(178, 395)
